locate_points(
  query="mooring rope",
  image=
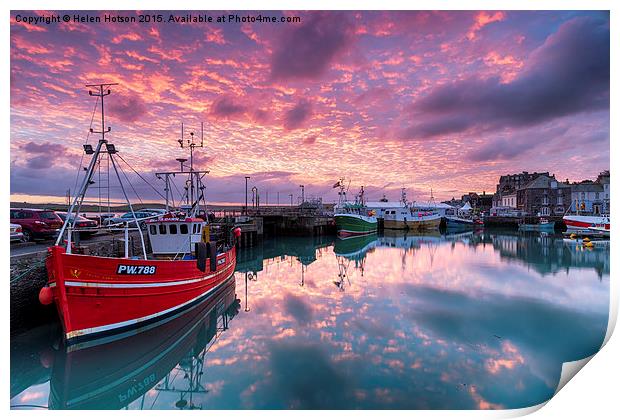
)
(34, 266)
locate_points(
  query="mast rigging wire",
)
(141, 177)
(92, 118)
(130, 184)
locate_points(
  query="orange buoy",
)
(46, 296)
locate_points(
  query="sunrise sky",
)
(441, 100)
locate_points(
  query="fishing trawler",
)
(353, 218)
(97, 296)
(580, 222)
(410, 218)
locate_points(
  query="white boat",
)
(581, 221)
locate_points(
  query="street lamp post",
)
(302, 194)
(245, 209)
(291, 195)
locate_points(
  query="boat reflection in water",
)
(471, 320)
(113, 373)
(352, 249)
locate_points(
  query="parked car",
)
(16, 233)
(36, 223)
(156, 211)
(81, 223)
(128, 217)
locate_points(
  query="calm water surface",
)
(459, 321)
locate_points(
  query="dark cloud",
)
(298, 308)
(45, 155)
(227, 107)
(127, 108)
(261, 116)
(307, 51)
(298, 115)
(309, 140)
(568, 74)
(373, 95)
(324, 383)
(47, 148)
(450, 125)
(503, 149)
(40, 162)
(508, 148)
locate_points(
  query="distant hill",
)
(86, 207)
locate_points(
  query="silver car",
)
(16, 233)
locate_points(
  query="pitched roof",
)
(543, 181)
(586, 187)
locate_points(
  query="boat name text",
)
(135, 269)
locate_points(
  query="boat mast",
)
(342, 195)
(88, 149)
(194, 186)
(403, 196)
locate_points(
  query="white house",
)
(509, 200)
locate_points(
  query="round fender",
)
(213, 256)
(201, 256)
(46, 295)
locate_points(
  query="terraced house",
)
(544, 196)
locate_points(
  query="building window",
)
(153, 229)
(183, 229)
(162, 229)
(173, 229)
(596, 195)
(544, 211)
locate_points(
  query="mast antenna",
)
(104, 90)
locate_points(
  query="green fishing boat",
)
(353, 218)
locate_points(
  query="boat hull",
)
(580, 222)
(459, 223)
(417, 224)
(97, 296)
(537, 227)
(120, 369)
(354, 224)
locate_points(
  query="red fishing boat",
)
(98, 296)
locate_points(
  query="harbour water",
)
(454, 321)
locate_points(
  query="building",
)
(544, 196)
(591, 196)
(509, 200)
(509, 184)
(603, 179)
(479, 202)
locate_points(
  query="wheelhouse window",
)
(153, 229)
(183, 229)
(173, 229)
(162, 229)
